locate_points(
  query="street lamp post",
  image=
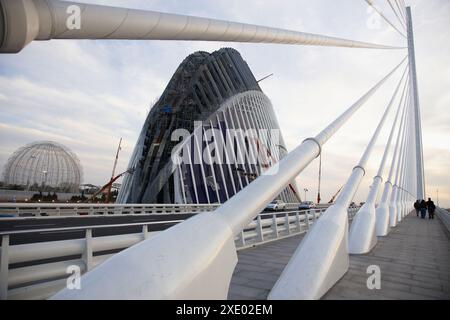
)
(306, 190)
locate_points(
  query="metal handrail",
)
(267, 227)
(13, 232)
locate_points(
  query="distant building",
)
(209, 96)
(43, 166)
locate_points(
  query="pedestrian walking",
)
(431, 207)
(423, 209)
(417, 207)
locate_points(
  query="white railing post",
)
(275, 226)
(88, 254)
(241, 240)
(4, 268)
(298, 222)
(259, 229)
(307, 219)
(288, 228)
(145, 231)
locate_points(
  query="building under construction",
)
(209, 96)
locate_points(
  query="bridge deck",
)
(414, 260)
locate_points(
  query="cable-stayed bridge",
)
(197, 258)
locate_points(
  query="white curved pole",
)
(401, 171)
(404, 168)
(421, 192)
(391, 208)
(382, 211)
(393, 205)
(244, 206)
(406, 189)
(322, 257)
(196, 258)
(28, 20)
(409, 175)
(362, 235)
(402, 187)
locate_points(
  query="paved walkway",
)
(414, 260)
(259, 267)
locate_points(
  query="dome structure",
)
(44, 165)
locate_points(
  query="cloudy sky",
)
(88, 94)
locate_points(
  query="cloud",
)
(88, 94)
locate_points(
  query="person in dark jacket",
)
(431, 207)
(423, 209)
(417, 207)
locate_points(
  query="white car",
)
(306, 205)
(276, 205)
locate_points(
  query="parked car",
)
(306, 205)
(276, 205)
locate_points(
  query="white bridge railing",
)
(80, 209)
(38, 270)
(91, 209)
(444, 215)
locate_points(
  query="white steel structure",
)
(201, 268)
(28, 20)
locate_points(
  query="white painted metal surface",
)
(382, 212)
(362, 235)
(322, 256)
(235, 214)
(415, 100)
(94, 209)
(28, 20)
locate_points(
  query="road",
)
(34, 223)
(65, 222)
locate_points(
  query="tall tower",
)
(216, 100)
(415, 100)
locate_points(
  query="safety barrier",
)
(38, 270)
(90, 209)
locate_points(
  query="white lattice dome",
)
(44, 164)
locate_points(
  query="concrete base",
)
(319, 262)
(382, 220)
(399, 211)
(192, 260)
(362, 236)
(392, 215)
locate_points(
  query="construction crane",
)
(109, 185)
(108, 194)
(335, 195)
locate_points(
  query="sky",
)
(88, 94)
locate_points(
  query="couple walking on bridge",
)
(422, 206)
